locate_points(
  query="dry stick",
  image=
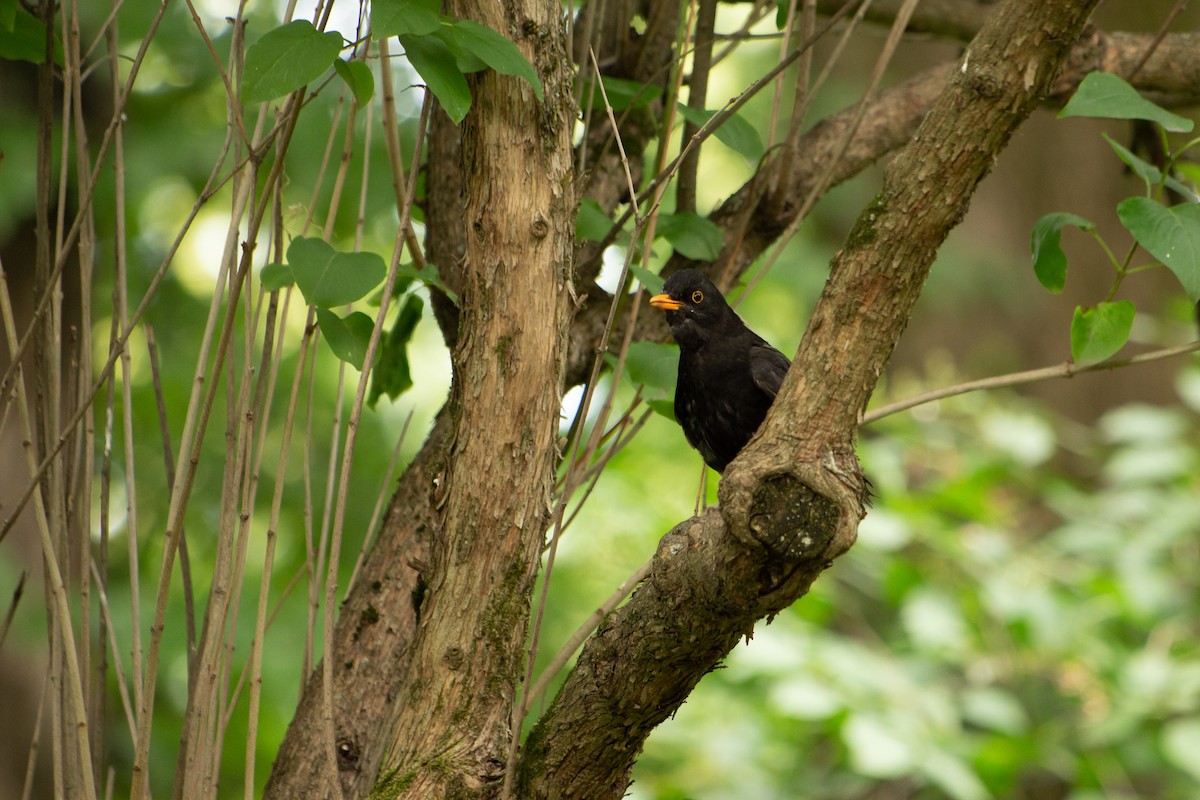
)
(381, 497)
(12, 607)
(777, 95)
(185, 568)
(120, 323)
(310, 558)
(200, 405)
(72, 685)
(115, 646)
(65, 751)
(585, 630)
(260, 624)
(77, 472)
(719, 118)
(1161, 34)
(84, 200)
(702, 53)
(826, 176)
(1067, 369)
(32, 759)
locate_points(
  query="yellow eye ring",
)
(697, 296)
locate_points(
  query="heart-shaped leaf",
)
(1098, 333)
(348, 338)
(328, 277)
(286, 58)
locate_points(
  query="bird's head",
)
(694, 306)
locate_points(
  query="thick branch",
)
(796, 490)
(751, 225)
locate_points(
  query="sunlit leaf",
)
(1102, 94)
(653, 364)
(286, 58)
(1097, 333)
(358, 77)
(328, 277)
(276, 276)
(348, 338)
(402, 17)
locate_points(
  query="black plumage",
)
(728, 374)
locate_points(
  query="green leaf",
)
(1102, 94)
(287, 58)
(1172, 235)
(403, 17)
(428, 275)
(8, 15)
(1148, 172)
(358, 77)
(348, 338)
(438, 67)
(276, 276)
(391, 375)
(591, 222)
(1049, 261)
(494, 49)
(735, 133)
(23, 38)
(691, 235)
(328, 277)
(652, 364)
(623, 94)
(651, 281)
(1098, 333)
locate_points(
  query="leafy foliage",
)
(1169, 233)
(998, 626)
(287, 58)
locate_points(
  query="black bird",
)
(728, 374)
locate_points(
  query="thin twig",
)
(1067, 369)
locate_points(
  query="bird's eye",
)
(697, 297)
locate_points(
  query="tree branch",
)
(751, 224)
(793, 499)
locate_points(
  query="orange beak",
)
(665, 302)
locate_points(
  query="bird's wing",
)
(767, 367)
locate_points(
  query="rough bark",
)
(491, 494)
(792, 501)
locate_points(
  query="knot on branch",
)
(791, 520)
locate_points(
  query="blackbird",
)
(728, 374)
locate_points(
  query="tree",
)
(423, 680)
